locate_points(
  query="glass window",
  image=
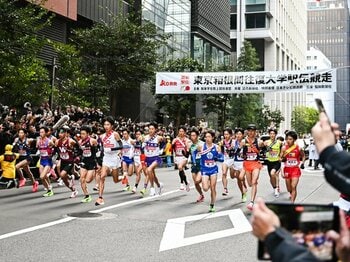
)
(233, 21)
(255, 21)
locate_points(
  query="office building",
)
(277, 30)
(329, 31)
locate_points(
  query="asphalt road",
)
(170, 227)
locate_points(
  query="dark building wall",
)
(100, 10)
(329, 31)
(211, 20)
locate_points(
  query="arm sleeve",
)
(282, 248)
(337, 168)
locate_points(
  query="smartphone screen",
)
(308, 225)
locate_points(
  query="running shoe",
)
(95, 188)
(86, 199)
(244, 197)
(35, 187)
(211, 209)
(200, 198)
(127, 188)
(250, 205)
(99, 201)
(74, 194)
(152, 191)
(60, 182)
(225, 193)
(143, 192)
(182, 187)
(159, 189)
(188, 187)
(22, 182)
(125, 180)
(48, 193)
(134, 189)
(276, 192)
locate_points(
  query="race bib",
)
(43, 153)
(292, 162)
(64, 156)
(209, 163)
(87, 153)
(251, 156)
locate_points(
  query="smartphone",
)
(307, 225)
(321, 108)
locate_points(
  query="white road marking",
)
(67, 219)
(34, 228)
(174, 232)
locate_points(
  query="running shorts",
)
(249, 166)
(67, 166)
(273, 165)
(229, 162)
(150, 160)
(128, 160)
(46, 162)
(291, 172)
(238, 165)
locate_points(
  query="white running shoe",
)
(152, 192)
(182, 186)
(60, 182)
(159, 189)
(74, 194)
(134, 189)
(188, 187)
(276, 192)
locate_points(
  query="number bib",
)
(292, 162)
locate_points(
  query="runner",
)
(112, 144)
(137, 160)
(65, 147)
(45, 147)
(179, 146)
(238, 171)
(196, 162)
(291, 155)
(88, 147)
(22, 146)
(251, 162)
(152, 160)
(210, 153)
(227, 147)
(273, 151)
(127, 158)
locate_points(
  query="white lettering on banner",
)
(245, 82)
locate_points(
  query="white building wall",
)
(316, 60)
(285, 47)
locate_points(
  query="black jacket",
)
(337, 168)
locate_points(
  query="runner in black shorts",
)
(65, 146)
(88, 148)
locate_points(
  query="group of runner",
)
(109, 151)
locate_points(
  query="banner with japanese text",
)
(245, 82)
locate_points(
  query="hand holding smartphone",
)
(307, 225)
(321, 108)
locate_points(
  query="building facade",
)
(277, 30)
(316, 60)
(210, 32)
(329, 31)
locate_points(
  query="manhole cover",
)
(84, 215)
